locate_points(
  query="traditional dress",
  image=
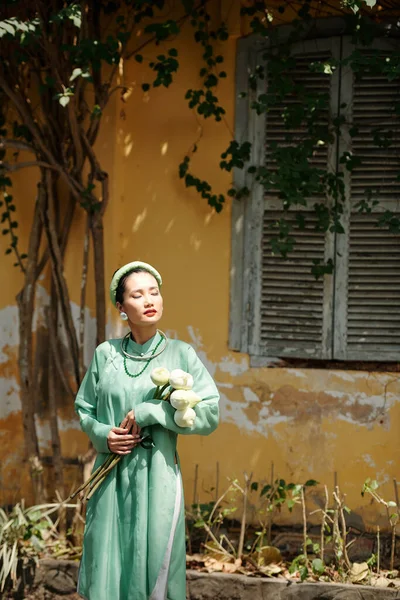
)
(134, 542)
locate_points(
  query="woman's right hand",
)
(120, 441)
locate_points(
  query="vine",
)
(62, 52)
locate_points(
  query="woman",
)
(134, 543)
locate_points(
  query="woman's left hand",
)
(129, 422)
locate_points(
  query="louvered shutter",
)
(295, 309)
(368, 277)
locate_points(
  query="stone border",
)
(220, 586)
(57, 579)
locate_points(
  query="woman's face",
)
(143, 302)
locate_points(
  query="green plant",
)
(24, 535)
(392, 510)
(272, 498)
(210, 517)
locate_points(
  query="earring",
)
(123, 316)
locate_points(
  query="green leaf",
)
(96, 111)
(173, 52)
(64, 100)
(8, 251)
(75, 73)
(145, 87)
(291, 504)
(311, 482)
(303, 571)
(318, 566)
(265, 490)
(7, 28)
(139, 58)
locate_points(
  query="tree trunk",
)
(26, 307)
(96, 227)
(54, 391)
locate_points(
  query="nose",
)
(148, 301)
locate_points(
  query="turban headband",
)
(137, 264)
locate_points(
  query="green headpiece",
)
(137, 264)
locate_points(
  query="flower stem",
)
(164, 387)
(100, 478)
(93, 476)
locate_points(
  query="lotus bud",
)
(193, 398)
(160, 376)
(181, 380)
(179, 399)
(185, 418)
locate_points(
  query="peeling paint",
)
(311, 423)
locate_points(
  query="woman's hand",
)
(130, 423)
(120, 441)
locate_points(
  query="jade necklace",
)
(154, 353)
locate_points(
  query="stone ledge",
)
(220, 586)
(56, 580)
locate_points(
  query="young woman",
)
(134, 542)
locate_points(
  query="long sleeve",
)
(159, 412)
(86, 405)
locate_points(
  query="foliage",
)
(293, 172)
(392, 510)
(326, 560)
(24, 535)
(60, 66)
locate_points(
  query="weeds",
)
(25, 533)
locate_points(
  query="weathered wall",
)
(310, 423)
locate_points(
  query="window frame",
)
(247, 213)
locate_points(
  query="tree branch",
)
(24, 165)
(6, 143)
(59, 279)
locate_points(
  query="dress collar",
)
(140, 349)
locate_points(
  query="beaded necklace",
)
(147, 362)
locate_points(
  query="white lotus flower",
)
(185, 418)
(192, 397)
(179, 399)
(160, 376)
(181, 380)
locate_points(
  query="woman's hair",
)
(119, 294)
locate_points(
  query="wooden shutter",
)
(295, 309)
(368, 281)
(292, 302)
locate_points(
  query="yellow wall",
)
(320, 424)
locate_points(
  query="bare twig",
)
(270, 514)
(196, 476)
(305, 537)
(247, 483)
(216, 481)
(396, 492)
(323, 524)
(340, 507)
(378, 551)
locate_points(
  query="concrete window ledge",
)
(56, 579)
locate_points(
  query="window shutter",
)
(368, 281)
(294, 310)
